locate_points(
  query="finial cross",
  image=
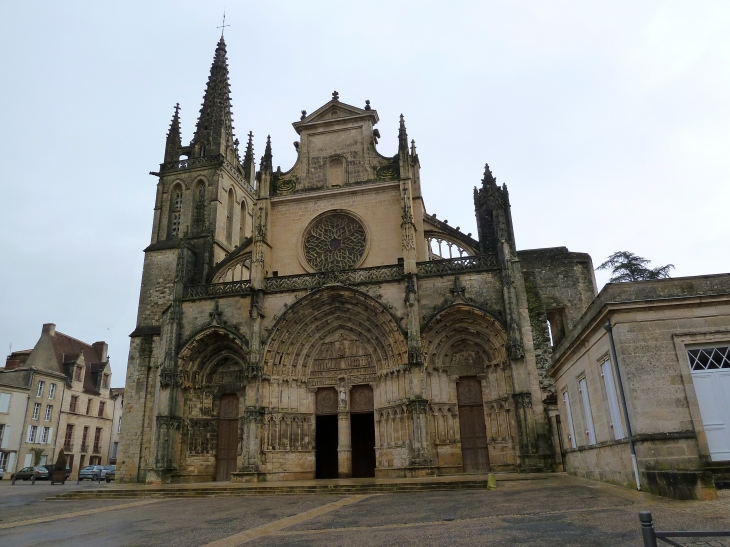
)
(223, 26)
(335, 96)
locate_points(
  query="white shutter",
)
(613, 408)
(11, 461)
(587, 411)
(4, 402)
(28, 460)
(50, 436)
(6, 436)
(29, 435)
(566, 400)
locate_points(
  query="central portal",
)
(325, 439)
(362, 431)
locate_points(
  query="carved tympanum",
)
(335, 242)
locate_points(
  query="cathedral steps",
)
(187, 491)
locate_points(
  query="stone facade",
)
(654, 324)
(290, 320)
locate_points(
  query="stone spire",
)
(402, 136)
(214, 130)
(488, 179)
(249, 165)
(267, 158)
(174, 143)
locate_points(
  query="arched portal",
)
(469, 377)
(334, 344)
(212, 379)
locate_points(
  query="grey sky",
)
(608, 121)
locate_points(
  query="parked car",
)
(41, 473)
(2, 473)
(49, 468)
(109, 473)
(91, 472)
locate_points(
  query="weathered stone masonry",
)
(333, 308)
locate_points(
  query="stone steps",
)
(192, 492)
(721, 472)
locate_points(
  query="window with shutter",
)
(590, 431)
(4, 402)
(569, 414)
(613, 408)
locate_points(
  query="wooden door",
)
(226, 455)
(474, 452)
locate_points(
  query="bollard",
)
(14, 478)
(32, 477)
(491, 482)
(647, 529)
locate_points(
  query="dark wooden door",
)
(326, 434)
(362, 431)
(474, 452)
(225, 462)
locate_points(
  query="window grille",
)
(709, 358)
(176, 212)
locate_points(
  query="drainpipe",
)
(609, 330)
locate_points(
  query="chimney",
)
(49, 328)
(100, 348)
(12, 362)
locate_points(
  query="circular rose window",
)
(335, 242)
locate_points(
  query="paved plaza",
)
(555, 511)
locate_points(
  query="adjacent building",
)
(672, 344)
(58, 396)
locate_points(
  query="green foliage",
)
(626, 266)
(60, 464)
(37, 454)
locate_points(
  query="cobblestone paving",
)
(559, 511)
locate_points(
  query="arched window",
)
(242, 226)
(229, 216)
(175, 210)
(199, 214)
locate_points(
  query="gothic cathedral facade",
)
(317, 322)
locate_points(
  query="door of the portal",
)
(326, 433)
(362, 431)
(471, 424)
(225, 462)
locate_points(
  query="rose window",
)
(334, 242)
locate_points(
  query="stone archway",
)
(469, 383)
(333, 339)
(212, 367)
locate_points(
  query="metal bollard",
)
(14, 478)
(647, 529)
(32, 478)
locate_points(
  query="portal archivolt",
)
(334, 329)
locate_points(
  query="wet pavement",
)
(556, 511)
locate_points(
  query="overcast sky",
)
(609, 121)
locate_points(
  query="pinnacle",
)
(488, 176)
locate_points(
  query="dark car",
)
(109, 473)
(49, 468)
(41, 473)
(91, 472)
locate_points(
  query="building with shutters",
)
(318, 321)
(63, 386)
(672, 343)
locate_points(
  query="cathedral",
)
(319, 322)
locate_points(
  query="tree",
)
(37, 455)
(626, 266)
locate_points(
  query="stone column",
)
(344, 446)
